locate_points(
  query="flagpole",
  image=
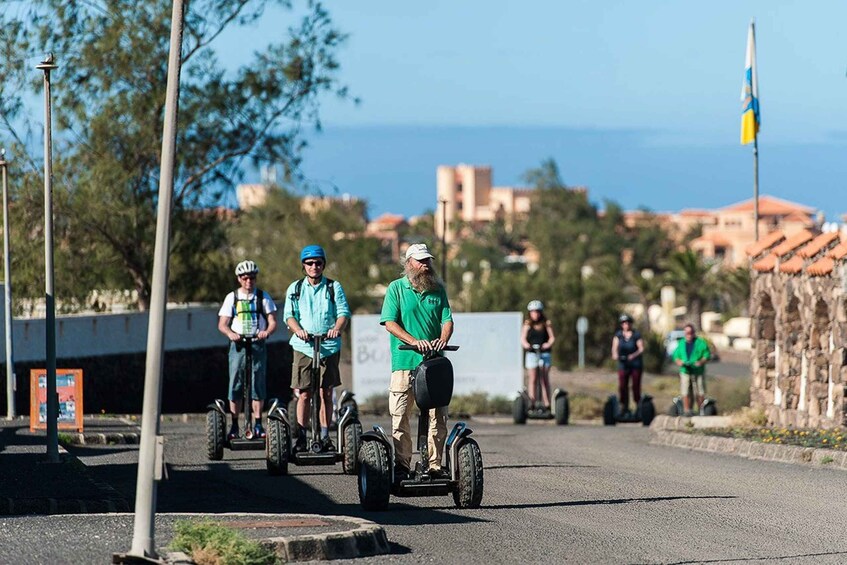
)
(756, 185)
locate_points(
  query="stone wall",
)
(799, 327)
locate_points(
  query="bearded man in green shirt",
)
(415, 312)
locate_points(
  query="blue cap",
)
(312, 252)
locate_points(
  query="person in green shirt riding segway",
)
(691, 355)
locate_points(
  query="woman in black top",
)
(538, 331)
(627, 348)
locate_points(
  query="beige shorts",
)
(301, 373)
(686, 380)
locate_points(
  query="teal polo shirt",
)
(420, 313)
(316, 314)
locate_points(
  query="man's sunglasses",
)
(247, 276)
(313, 263)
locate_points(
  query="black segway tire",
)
(352, 433)
(519, 410)
(710, 409)
(674, 410)
(563, 409)
(352, 404)
(468, 493)
(374, 476)
(215, 435)
(609, 413)
(277, 449)
(648, 412)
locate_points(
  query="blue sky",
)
(654, 85)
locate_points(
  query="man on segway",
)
(247, 318)
(316, 306)
(415, 312)
(691, 355)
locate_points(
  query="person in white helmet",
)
(538, 330)
(247, 312)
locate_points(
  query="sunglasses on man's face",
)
(251, 277)
(313, 263)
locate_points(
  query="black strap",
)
(295, 296)
(259, 296)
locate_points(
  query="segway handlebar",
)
(406, 347)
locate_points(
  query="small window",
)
(459, 187)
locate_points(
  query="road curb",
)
(366, 540)
(809, 456)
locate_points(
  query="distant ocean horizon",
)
(394, 167)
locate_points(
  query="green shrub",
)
(210, 543)
(478, 403)
(654, 353)
(585, 407)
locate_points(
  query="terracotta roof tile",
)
(792, 243)
(817, 245)
(768, 241)
(766, 264)
(770, 206)
(839, 251)
(792, 266)
(821, 267)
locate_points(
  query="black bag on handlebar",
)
(433, 383)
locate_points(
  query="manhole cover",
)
(293, 523)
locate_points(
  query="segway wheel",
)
(519, 410)
(292, 416)
(563, 409)
(674, 410)
(648, 411)
(374, 476)
(215, 435)
(468, 493)
(710, 409)
(352, 433)
(609, 413)
(277, 447)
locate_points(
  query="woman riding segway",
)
(627, 350)
(537, 338)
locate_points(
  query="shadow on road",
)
(762, 558)
(600, 502)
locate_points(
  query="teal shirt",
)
(316, 314)
(422, 314)
(700, 352)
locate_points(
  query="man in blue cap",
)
(315, 305)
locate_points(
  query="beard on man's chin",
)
(423, 279)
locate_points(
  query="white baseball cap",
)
(418, 251)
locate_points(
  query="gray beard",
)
(423, 281)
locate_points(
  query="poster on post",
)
(69, 389)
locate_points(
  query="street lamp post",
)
(7, 295)
(443, 240)
(150, 454)
(48, 65)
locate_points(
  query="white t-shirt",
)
(246, 318)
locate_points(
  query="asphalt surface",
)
(580, 494)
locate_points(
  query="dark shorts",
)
(301, 371)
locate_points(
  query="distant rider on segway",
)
(415, 312)
(537, 331)
(316, 305)
(627, 350)
(247, 312)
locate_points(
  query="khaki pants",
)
(400, 402)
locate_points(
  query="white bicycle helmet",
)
(246, 268)
(535, 305)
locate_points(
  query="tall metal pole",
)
(149, 455)
(48, 65)
(7, 295)
(443, 240)
(756, 184)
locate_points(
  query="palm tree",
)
(691, 276)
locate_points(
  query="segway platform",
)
(242, 444)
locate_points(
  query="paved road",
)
(580, 494)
